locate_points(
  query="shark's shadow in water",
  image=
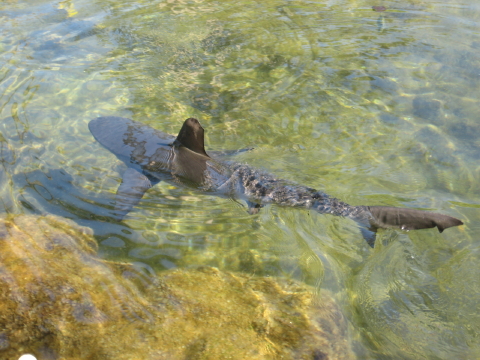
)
(153, 156)
(53, 191)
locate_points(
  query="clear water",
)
(372, 107)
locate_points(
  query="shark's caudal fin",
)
(411, 219)
(405, 219)
(191, 136)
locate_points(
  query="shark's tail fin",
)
(410, 219)
(376, 217)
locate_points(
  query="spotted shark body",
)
(153, 156)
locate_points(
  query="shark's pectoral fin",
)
(253, 208)
(134, 185)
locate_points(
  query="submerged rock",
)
(60, 301)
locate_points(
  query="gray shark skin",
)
(153, 156)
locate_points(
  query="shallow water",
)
(372, 107)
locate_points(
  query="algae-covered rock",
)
(227, 315)
(58, 300)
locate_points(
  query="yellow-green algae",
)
(60, 301)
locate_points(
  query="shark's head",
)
(191, 136)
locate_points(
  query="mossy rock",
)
(60, 301)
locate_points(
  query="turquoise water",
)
(372, 107)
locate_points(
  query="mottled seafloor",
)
(373, 106)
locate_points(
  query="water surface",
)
(372, 107)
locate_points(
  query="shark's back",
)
(130, 140)
(156, 153)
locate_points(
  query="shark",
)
(152, 156)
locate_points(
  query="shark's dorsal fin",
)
(191, 136)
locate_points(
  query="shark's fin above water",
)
(191, 136)
(134, 185)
